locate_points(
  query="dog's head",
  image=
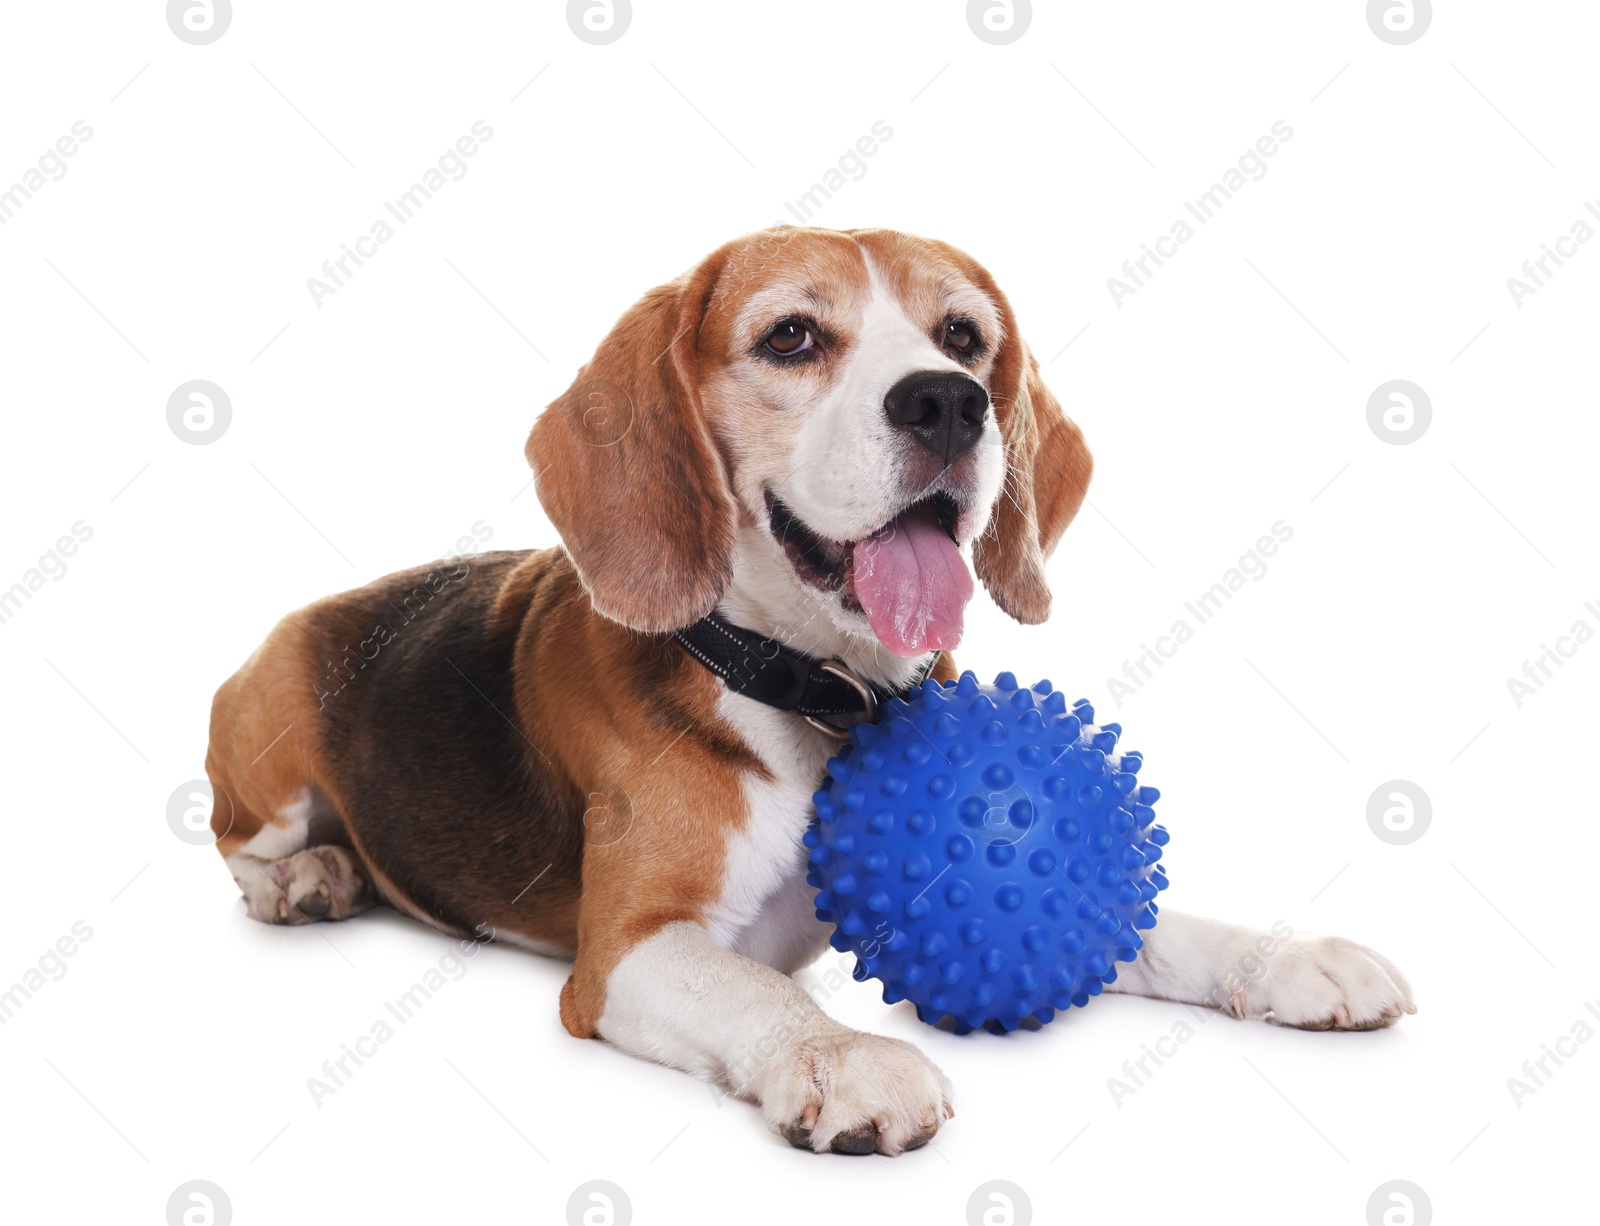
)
(841, 414)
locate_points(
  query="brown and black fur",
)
(446, 795)
(436, 717)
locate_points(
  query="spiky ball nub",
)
(986, 852)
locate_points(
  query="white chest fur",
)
(764, 910)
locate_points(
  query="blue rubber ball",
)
(986, 852)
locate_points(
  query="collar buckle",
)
(869, 699)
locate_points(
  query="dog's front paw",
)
(1326, 983)
(855, 1093)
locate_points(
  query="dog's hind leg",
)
(276, 827)
(295, 868)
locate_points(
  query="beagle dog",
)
(774, 483)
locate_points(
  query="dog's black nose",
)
(943, 410)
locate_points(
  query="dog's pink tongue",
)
(914, 584)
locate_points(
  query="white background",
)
(371, 432)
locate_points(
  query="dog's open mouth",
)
(908, 577)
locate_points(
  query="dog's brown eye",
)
(790, 337)
(960, 336)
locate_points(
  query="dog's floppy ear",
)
(1047, 475)
(628, 472)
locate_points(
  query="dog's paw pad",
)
(315, 884)
(863, 1140)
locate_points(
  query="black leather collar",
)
(764, 669)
